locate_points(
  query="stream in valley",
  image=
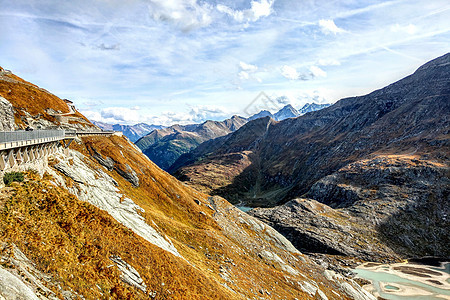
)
(403, 281)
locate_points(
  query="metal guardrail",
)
(95, 132)
(14, 136)
(19, 136)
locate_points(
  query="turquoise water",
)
(445, 269)
(386, 278)
(244, 208)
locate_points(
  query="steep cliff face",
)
(409, 116)
(105, 222)
(164, 146)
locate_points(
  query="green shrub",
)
(10, 177)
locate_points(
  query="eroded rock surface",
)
(375, 209)
(99, 189)
(12, 287)
(6, 115)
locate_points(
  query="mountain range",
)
(166, 145)
(132, 132)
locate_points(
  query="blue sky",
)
(184, 61)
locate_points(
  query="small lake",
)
(407, 281)
(245, 208)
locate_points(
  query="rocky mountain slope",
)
(372, 171)
(37, 108)
(384, 208)
(164, 146)
(132, 132)
(101, 221)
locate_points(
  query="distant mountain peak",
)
(310, 107)
(261, 114)
(286, 112)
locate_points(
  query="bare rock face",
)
(129, 274)
(388, 207)
(6, 116)
(129, 175)
(12, 287)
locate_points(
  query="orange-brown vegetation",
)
(28, 97)
(73, 241)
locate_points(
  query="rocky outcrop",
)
(12, 287)
(129, 274)
(313, 227)
(129, 174)
(388, 207)
(99, 189)
(6, 116)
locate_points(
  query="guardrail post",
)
(26, 157)
(10, 159)
(19, 158)
(2, 161)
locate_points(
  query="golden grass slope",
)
(27, 97)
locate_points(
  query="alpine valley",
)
(92, 217)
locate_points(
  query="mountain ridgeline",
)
(132, 132)
(166, 145)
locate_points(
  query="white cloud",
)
(261, 9)
(290, 72)
(134, 115)
(201, 113)
(328, 26)
(235, 14)
(317, 72)
(409, 29)
(120, 114)
(258, 9)
(248, 67)
(243, 75)
(188, 14)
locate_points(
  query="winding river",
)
(403, 281)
